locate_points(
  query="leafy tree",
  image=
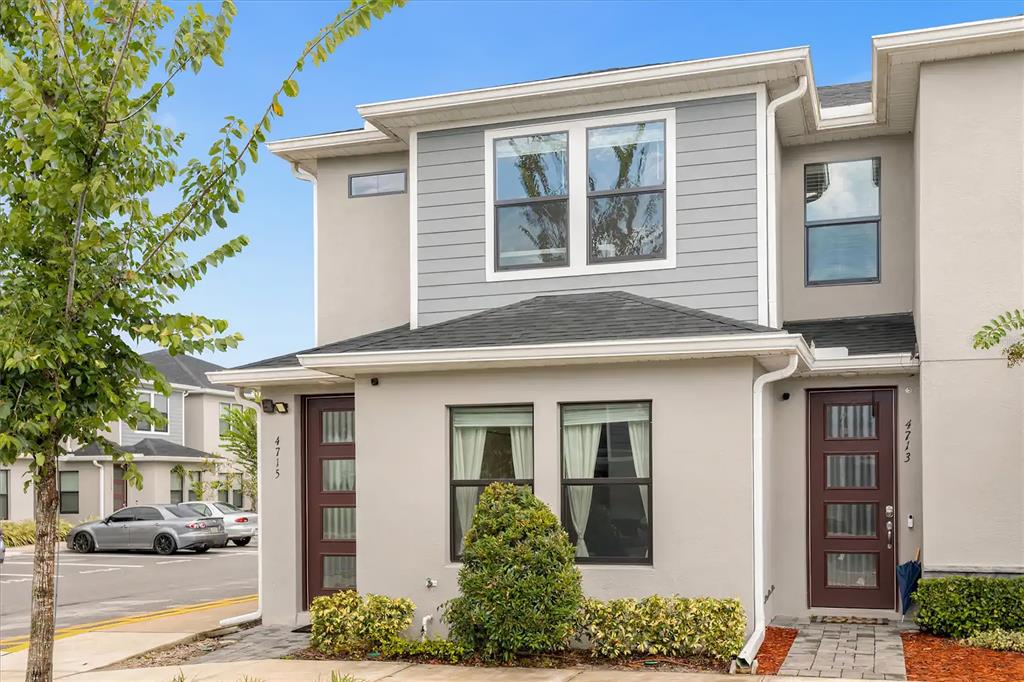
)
(240, 441)
(998, 330)
(86, 265)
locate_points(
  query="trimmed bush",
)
(430, 650)
(961, 606)
(345, 623)
(664, 626)
(997, 640)
(520, 588)
(21, 533)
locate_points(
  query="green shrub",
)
(439, 650)
(963, 606)
(998, 640)
(345, 623)
(21, 533)
(520, 588)
(664, 626)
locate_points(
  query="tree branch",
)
(175, 72)
(60, 43)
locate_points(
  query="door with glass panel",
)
(330, 495)
(852, 502)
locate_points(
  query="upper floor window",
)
(581, 197)
(375, 184)
(223, 425)
(842, 218)
(158, 402)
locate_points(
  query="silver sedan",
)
(240, 525)
(164, 528)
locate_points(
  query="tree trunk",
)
(40, 651)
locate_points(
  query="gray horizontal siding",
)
(175, 424)
(716, 222)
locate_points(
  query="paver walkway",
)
(262, 641)
(844, 650)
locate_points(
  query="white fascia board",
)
(986, 28)
(245, 378)
(616, 78)
(883, 363)
(847, 111)
(345, 143)
(733, 345)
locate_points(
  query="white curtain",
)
(522, 451)
(640, 443)
(467, 458)
(580, 447)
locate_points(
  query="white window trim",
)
(578, 238)
(152, 397)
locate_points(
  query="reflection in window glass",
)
(850, 422)
(532, 235)
(67, 486)
(842, 190)
(847, 569)
(5, 496)
(378, 183)
(850, 520)
(842, 221)
(839, 253)
(531, 166)
(338, 426)
(339, 523)
(850, 471)
(627, 156)
(339, 573)
(606, 468)
(627, 226)
(339, 475)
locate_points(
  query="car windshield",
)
(181, 512)
(226, 508)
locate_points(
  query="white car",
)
(240, 525)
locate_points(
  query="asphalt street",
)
(101, 585)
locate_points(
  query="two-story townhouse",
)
(170, 457)
(717, 317)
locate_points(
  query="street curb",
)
(194, 637)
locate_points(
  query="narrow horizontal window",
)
(373, 184)
(842, 221)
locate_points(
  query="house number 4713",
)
(908, 429)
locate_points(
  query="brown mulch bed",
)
(177, 654)
(570, 659)
(774, 649)
(938, 659)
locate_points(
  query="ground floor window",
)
(237, 498)
(195, 488)
(488, 444)
(67, 484)
(606, 481)
(222, 494)
(177, 487)
(5, 495)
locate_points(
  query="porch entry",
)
(330, 495)
(120, 488)
(851, 499)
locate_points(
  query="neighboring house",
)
(719, 319)
(169, 457)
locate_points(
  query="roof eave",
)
(271, 376)
(879, 363)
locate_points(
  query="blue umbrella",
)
(907, 575)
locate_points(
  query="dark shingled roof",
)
(541, 320)
(183, 369)
(150, 447)
(867, 335)
(842, 95)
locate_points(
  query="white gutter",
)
(303, 174)
(749, 650)
(772, 153)
(258, 613)
(103, 510)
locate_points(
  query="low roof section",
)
(864, 335)
(148, 448)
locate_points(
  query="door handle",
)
(888, 533)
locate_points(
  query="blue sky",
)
(430, 47)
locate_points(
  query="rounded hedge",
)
(520, 588)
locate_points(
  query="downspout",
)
(303, 174)
(258, 613)
(749, 650)
(103, 507)
(771, 154)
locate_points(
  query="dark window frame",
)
(633, 191)
(405, 183)
(5, 507)
(811, 224)
(180, 490)
(61, 492)
(565, 514)
(498, 204)
(142, 392)
(479, 482)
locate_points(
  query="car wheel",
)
(164, 544)
(200, 550)
(241, 542)
(83, 543)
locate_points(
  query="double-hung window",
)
(581, 197)
(5, 495)
(67, 485)
(177, 487)
(157, 401)
(606, 481)
(842, 221)
(223, 425)
(488, 444)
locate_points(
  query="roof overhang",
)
(858, 365)
(273, 376)
(305, 150)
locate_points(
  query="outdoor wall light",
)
(271, 407)
(281, 408)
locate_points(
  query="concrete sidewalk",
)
(276, 670)
(86, 647)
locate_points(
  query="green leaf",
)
(290, 88)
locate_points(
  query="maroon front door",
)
(330, 496)
(852, 505)
(120, 488)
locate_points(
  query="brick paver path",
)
(844, 650)
(262, 641)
